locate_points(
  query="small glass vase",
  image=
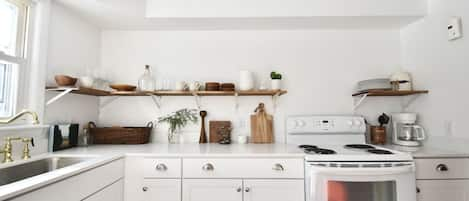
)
(174, 137)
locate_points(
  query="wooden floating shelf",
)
(97, 92)
(391, 93)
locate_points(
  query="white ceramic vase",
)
(276, 84)
(246, 80)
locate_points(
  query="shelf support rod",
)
(275, 100)
(60, 95)
(359, 102)
(236, 101)
(156, 99)
(197, 100)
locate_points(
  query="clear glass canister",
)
(146, 82)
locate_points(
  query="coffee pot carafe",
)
(405, 130)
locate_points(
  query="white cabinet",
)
(273, 190)
(161, 190)
(212, 190)
(243, 190)
(114, 192)
(439, 190)
(442, 179)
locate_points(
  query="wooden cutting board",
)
(213, 129)
(261, 126)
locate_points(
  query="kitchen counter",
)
(193, 150)
(429, 152)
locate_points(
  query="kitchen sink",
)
(26, 170)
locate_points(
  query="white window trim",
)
(22, 58)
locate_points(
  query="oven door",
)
(347, 182)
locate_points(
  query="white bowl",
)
(86, 81)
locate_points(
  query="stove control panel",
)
(326, 124)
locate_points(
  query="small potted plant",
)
(178, 120)
(276, 80)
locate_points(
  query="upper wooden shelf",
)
(97, 92)
(390, 93)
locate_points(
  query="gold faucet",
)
(22, 113)
(8, 148)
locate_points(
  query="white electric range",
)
(340, 166)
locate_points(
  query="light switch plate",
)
(454, 28)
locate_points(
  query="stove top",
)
(352, 152)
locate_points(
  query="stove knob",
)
(293, 124)
(300, 123)
(357, 123)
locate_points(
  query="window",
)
(13, 23)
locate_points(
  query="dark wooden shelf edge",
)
(392, 93)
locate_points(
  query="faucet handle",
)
(28, 140)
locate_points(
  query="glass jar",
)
(146, 82)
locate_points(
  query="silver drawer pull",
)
(208, 167)
(247, 190)
(442, 168)
(145, 189)
(161, 167)
(278, 167)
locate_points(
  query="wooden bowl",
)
(123, 87)
(65, 80)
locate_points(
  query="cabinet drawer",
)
(454, 168)
(162, 168)
(243, 168)
(439, 190)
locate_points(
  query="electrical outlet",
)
(454, 28)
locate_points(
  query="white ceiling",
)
(130, 15)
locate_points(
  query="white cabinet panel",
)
(114, 192)
(443, 190)
(274, 190)
(268, 168)
(442, 168)
(161, 190)
(212, 190)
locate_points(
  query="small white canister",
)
(246, 80)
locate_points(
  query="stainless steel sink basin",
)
(26, 170)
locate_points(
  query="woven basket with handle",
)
(120, 135)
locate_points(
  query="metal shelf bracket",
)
(275, 100)
(60, 95)
(407, 101)
(198, 100)
(236, 101)
(357, 104)
(156, 100)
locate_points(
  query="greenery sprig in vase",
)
(178, 120)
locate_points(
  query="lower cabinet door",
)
(212, 190)
(274, 190)
(442, 190)
(161, 190)
(113, 192)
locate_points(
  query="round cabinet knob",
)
(418, 190)
(278, 167)
(208, 167)
(442, 168)
(145, 189)
(161, 167)
(239, 189)
(293, 124)
(247, 190)
(350, 123)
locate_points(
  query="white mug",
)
(246, 80)
(195, 86)
(181, 86)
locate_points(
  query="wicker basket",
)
(120, 135)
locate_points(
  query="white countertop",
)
(193, 150)
(429, 152)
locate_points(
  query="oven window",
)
(361, 191)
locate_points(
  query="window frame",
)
(21, 59)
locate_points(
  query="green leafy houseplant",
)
(178, 120)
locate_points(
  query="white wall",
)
(441, 67)
(320, 70)
(74, 47)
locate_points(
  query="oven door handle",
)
(364, 171)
